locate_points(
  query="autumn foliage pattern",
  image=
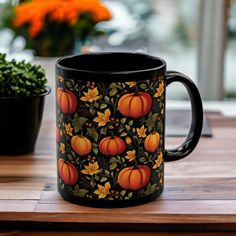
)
(110, 138)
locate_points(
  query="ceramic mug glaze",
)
(111, 127)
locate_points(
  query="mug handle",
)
(196, 121)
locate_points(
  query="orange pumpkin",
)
(66, 101)
(67, 172)
(135, 105)
(111, 146)
(58, 134)
(81, 145)
(151, 142)
(134, 178)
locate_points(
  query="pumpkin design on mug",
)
(67, 172)
(151, 142)
(134, 177)
(112, 138)
(81, 145)
(111, 146)
(135, 105)
(66, 101)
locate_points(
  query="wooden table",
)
(200, 193)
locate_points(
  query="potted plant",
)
(22, 92)
(53, 28)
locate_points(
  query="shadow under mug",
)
(111, 127)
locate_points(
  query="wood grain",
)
(200, 191)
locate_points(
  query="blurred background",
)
(195, 37)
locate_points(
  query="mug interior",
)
(112, 62)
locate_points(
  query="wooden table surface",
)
(200, 191)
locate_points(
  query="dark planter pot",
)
(20, 122)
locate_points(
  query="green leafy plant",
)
(20, 79)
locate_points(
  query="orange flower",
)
(102, 118)
(91, 95)
(128, 140)
(131, 83)
(62, 147)
(141, 132)
(131, 155)
(159, 90)
(158, 161)
(103, 191)
(35, 13)
(91, 169)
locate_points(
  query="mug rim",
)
(69, 71)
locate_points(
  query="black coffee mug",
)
(111, 127)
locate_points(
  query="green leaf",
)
(92, 183)
(123, 134)
(146, 154)
(150, 189)
(143, 86)
(133, 130)
(120, 129)
(150, 122)
(70, 157)
(113, 92)
(103, 130)
(96, 105)
(93, 133)
(77, 125)
(122, 193)
(130, 194)
(107, 173)
(153, 188)
(127, 127)
(123, 120)
(103, 106)
(95, 150)
(110, 126)
(82, 120)
(130, 122)
(154, 117)
(113, 166)
(103, 179)
(160, 126)
(94, 144)
(68, 84)
(92, 111)
(115, 85)
(81, 192)
(107, 99)
(142, 159)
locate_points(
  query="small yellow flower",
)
(62, 147)
(91, 169)
(128, 140)
(131, 84)
(141, 132)
(91, 95)
(160, 90)
(103, 191)
(69, 129)
(60, 78)
(131, 155)
(158, 161)
(102, 118)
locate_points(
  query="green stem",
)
(136, 92)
